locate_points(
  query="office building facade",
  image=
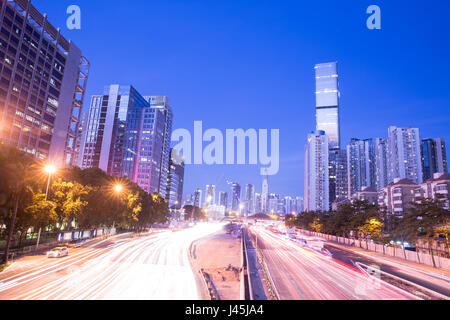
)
(43, 78)
(161, 106)
(327, 102)
(125, 138)
(175, 180)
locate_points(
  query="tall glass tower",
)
(327, 102)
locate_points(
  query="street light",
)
(50, 170)
(118, 188)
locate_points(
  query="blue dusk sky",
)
(250, 64)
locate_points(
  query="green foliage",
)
(81, 198)
(424, 219)
(195, 213)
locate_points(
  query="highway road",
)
(301, 273)
(152, 267)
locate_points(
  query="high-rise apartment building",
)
(338, 175)
(361, 165)
(43, 79)
(175, 180)
(125, 137)
(381, 170)
(299, 205)
(404, 158)
(434, 157)
(317, 172)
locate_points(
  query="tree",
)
(70, 200)
(17, 171)
(42, 213)
(424, 219)
(194, 213)
(372, 229)
(316, 225)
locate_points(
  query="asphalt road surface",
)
(300, 273)
(152, 267)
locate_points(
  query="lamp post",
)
(118, 189)
(50, 170)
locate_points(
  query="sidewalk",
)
(439, 273)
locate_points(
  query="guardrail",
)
(248, 290)
(271, 287)
(419, 290)
(401, 253)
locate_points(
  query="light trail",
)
(300, 273)
(154, 267)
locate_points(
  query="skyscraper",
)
(125, 137)
(249, 199)
(404, 158)
(223, 200)
(165, 116)
(210, 196)
(327, 102)
(317, 172)
(175, 179)
(198, 198)
(236, 199)
(434, 157)
(328, 120)
(381, 170)
(42, 87)
(361, 165)
(265, 195)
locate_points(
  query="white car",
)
(58, 252)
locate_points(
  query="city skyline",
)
(107, 191)
(403, 96)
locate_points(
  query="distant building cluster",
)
(390, 172)
(245, 203)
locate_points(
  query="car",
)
(58, 252)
